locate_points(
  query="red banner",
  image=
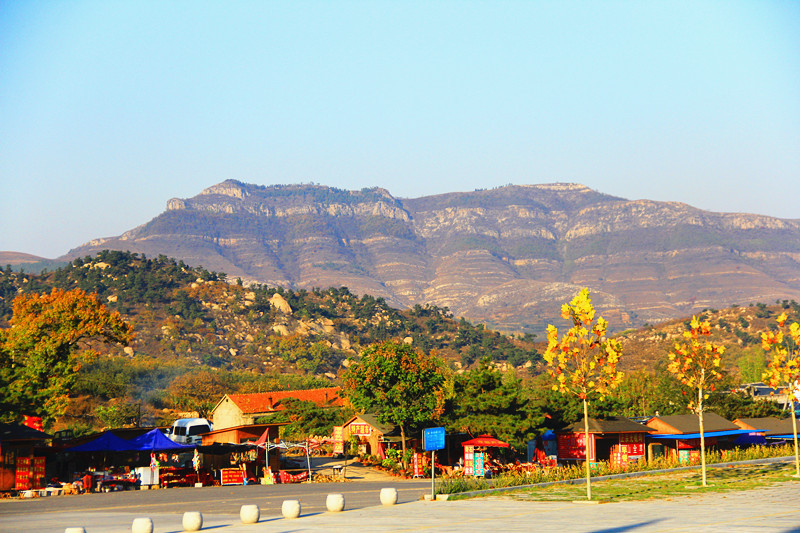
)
(572, 446)
(631, 443)
(23, 478)
(417, 464)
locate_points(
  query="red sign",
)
(23, 478)
(631, 443)
(417, 463)
(572, 446)
(231, 476)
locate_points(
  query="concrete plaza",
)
(770, 509)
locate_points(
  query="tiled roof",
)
(772, 425)
(266, 402)
(677, 424)
(613, 424)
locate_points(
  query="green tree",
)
(485, 401)
(398, 384)
(583, 362)
(41, 351)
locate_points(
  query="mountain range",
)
(507, 257)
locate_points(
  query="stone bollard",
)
(290, 508)
(335, 503)
(142, 525)
(250, 514)
(192, 521)
(389, 496)
(75, 530)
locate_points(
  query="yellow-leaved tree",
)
(783, 370)
(696, 364)
(584, 361)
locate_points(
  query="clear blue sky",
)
(110, 108)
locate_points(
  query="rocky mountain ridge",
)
(507, 257)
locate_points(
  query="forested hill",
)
(198, 335)
(196, 317)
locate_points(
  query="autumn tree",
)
(584, 361)
(41, 352)
(696, 364)
(401, 386)
(198, 391)
(783, 370)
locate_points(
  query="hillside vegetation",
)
(198, 335)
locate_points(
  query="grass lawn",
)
(663, 486)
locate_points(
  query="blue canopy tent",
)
(107, 442)
(155, 441)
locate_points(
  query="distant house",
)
(244, 409)
(22, 460)
(767, 426)
(614, 439)
(679, 435)
(372, 434)
(760, 391)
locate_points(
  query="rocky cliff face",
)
(507, 257)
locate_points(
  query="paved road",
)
(772, 509)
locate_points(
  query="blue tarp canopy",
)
(154, 441)
(687, 436)
(107, 442)
(750, 439)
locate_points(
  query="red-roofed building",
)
(244, 409)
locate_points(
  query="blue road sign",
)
(433, 439)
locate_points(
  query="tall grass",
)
(604, 468)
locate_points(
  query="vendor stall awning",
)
(485, 440)
(686, 436)
(155, 441)
(107, 442)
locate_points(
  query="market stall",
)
(477, 461)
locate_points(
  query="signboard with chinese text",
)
(433, 439)
(417, 464)
(361, 429)
(631, 443)
(338, 439)
(480, 464)
(23, 478)
(572, 446)
(469, 460)
(231, 476)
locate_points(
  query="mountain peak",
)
(507, 256)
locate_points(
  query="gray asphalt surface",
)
(771, 509)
